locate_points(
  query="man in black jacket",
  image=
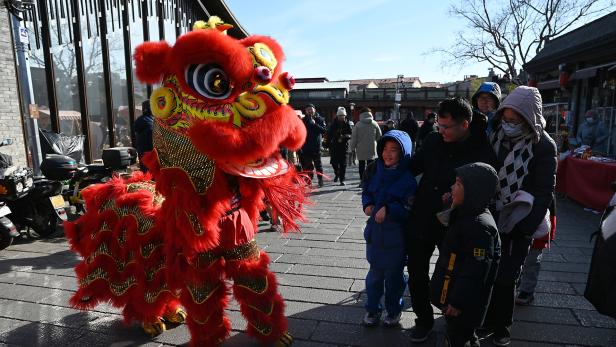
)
(143, 132)
(310, 153)
(410, 126)
(456, 144)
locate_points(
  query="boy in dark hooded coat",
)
(389, 188)
(466, 267)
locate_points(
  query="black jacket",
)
(314, 133)
(468, 261)
(143, 133)
(437, 160)
(426, 129)
(338, 137)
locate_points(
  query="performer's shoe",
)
(285, 340)
(154, 328)
(176, 317)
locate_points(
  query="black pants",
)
(418, 264)
(460, 334)
(362, 167)
(340, 170)
(310, 162)
(499, 317)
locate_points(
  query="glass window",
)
(136, 38)
(36, 62)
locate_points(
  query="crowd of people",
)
(485, 198)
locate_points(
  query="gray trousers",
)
(530, 272)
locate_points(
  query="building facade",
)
(75, 71)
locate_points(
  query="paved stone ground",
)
(321, 274)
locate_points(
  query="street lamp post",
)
(398, 98)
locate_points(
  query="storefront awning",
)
(64, 115)
(590, 72)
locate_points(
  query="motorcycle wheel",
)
(45, 221)
(5, 241)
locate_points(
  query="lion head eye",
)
(209, 80)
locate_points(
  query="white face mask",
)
(590, 120)
(512, 130)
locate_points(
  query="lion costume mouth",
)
(261, 168)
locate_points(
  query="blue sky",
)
(351, 39)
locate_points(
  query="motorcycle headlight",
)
(19, 187)
(29, 182)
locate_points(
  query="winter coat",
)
(338, 137)
(314, 134)
(143, 133)
(594, 135)
(468, 261)
(394, 189)
(364, 137)
(410, 126)
(437, 160)
(601, 281)
(541, 177)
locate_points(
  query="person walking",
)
(526, 162)
(388, 191)
(338, 137)
(455, 144)
(143, 132)
(363, 140)
(310, 153)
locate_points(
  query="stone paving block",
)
(544, 315)
(55, 315)
(40, 280)
(550, 257)
(565, 267)
(595, 319)
(356, 335)
(562, 277)
(10, 324)
(326, 252)
(563, 334)
(286, 250)
(92, 339)
(292, 280)
(322, 244)
(562, 301)
(23, 293)
(328, 271)
(322, 237)
(576, 258)
(321, 296)
(280, 268)
(566, 250)
(579, 288)
(573, 243)
(37, 334)
(555, 287)
(325, 261)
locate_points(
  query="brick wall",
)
(10, 116)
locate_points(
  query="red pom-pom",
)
(150, 61)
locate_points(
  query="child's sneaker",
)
(371, 319)
(391, 321)
(524, 298)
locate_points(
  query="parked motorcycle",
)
(34, 203)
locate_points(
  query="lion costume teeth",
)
(152, 247)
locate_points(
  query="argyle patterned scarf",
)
(515, 167)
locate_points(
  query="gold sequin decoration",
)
(144, 224)
(177, 151)
(264, 330)
(122, 237)
(148, 249)
(194, 223)
(267, 310)
(249, 250)
(150, 186)
(102, 249)
(200, 293)
(255, 285)
(120, 288)
(98, 273)
(151, 272)
(150, 297)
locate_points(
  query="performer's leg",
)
(204, 297)
(255, 289)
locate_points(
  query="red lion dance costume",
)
(221, 115)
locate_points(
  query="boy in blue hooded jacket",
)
(389, 189)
